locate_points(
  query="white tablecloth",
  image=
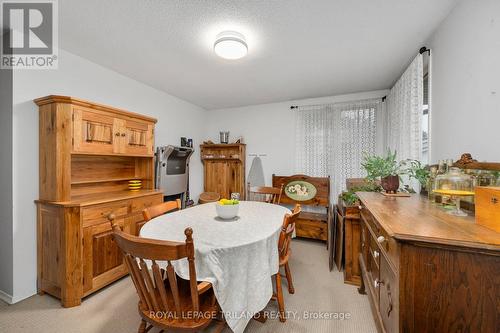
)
(238, 257)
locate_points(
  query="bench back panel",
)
(322, 184)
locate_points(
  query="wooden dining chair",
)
(160, 209)
(284, 254)
(166, 301)
(264, 193)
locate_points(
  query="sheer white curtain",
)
(404, 112)
(331, 140)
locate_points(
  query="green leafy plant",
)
(350, 198)
(414, 169)
(379, 167)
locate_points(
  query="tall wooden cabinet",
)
(224, 168)
(88, 153)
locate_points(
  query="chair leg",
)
(288, 273)
(142, 327)
(281, 301)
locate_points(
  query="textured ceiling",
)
(297, 49)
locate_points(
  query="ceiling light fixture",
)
(230, 45)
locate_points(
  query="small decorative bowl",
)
(227, 212)
(134, 185)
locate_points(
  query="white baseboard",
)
(9, 299)
(6, 297)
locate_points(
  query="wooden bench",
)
(309, 224)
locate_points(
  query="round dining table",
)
(237, 256)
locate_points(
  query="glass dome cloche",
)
(455, 184)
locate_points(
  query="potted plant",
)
(387, 169)
(414, 169)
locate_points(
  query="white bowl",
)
(227, 212)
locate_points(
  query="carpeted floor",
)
(318, 292)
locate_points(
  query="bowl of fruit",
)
(227, 208)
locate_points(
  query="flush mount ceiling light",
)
(230, 45)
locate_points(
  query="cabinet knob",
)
(360, 207)
(380, 239)
(377, 283)
(494, 200)
(375, 254)
(123, 134)
(117, 134)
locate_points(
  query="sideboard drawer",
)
(99, 213)
(384, 242)
(389, 297)
(139, 204)
(370, 221)
(374, 251)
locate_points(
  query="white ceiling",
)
(297, 49)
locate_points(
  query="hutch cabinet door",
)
(102, 259)
(137, 138)
(94, 133)
(215, 177)
(235, 180)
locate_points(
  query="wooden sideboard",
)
(425, 270)
(88, 152)
(224, 169)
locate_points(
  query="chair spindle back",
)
(150, 283)
(265, 194)
(287, 231)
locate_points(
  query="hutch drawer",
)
(139, 204)
(99, 213)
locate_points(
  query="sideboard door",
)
(102, 259)
(137, 138)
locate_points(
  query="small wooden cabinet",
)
(224, 169)
(348, 242)
(88, 153)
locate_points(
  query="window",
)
(425, 114)
(331, 140)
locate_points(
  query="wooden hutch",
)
(224, 168)
(88, 153)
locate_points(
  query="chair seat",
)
(167, 320)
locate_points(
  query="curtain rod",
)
(423, 49)
(346, 102)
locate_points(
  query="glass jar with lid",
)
(455, 184)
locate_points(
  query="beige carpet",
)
(114, 309)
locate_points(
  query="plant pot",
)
(390, 184)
